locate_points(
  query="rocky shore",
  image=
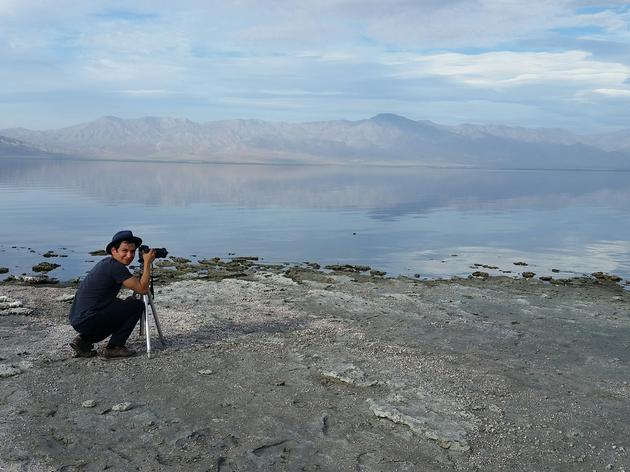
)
(339, 369)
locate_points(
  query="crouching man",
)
(97, 313)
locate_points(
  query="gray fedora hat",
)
(124, 235)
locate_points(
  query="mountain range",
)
(382, 139)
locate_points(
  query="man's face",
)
(125, 253)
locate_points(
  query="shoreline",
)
(283, 369)
(174, 268)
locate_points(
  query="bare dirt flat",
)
(305, 370)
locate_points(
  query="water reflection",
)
(402, 220)
(385, 191)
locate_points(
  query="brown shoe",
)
(82, 348)
(118, 351)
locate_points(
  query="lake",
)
(414, 221)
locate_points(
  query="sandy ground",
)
(307, 370)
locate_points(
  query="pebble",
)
(125, 406)
(205, 372)
(89, 404)
(8, 371)
(9, 306)
(16, 311)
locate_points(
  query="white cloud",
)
(510, 69)
(298, 93)
(613, 92)
(147, 92)
(339, 58)
(129, 70)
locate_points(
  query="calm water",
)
(432, 222)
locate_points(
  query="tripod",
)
(149, 306)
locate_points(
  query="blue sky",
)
(555, 63)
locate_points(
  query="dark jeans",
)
(117, 319)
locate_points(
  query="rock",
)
(555, 270)
(50, 254)
(483, 275)
(7, 370)
(520, 263)
(16, 311)
(495, 409)
(89, 404)
(528, 275)
(180, 260)
(546, 278)
(4, 270)
(45, 267)
(213, 261)
(5, 304)
(125, 406)
(36, 279)
(377, 273)
(606, 277)
(206, 372)
(24, 365)
(65, 298)
(100, 252)
(485, 266)
(144, 419)
(13, 307)
(347, 268)
(349, 374)
(434, 422)
(165, 263)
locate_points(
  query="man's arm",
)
(141, 284)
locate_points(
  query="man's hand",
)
(141, 284)
(148, 257)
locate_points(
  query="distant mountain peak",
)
(391, 118)
(401, 122)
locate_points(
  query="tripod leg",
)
(141, 324)
(157, 321)
(146, 324)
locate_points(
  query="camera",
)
(160, 252)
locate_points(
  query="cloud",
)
(129, 71)
(330, 58)
(511, 69)
(621, 93)
(145, 92)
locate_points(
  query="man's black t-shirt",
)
(99, 288)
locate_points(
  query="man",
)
(97, 313)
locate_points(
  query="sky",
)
(550, 63)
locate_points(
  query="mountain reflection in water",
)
(407, 220)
